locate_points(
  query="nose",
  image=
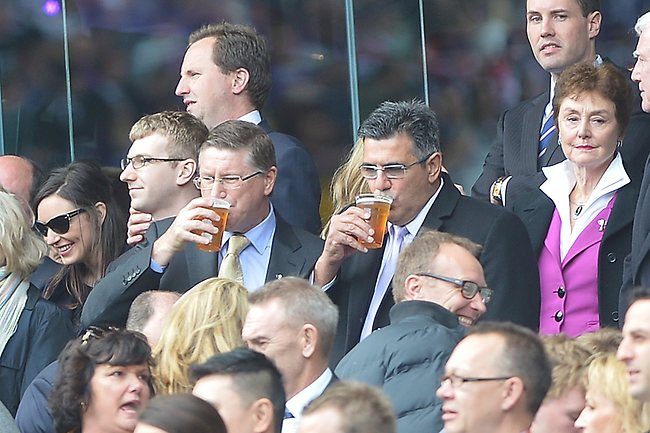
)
(547, 27)
(181, 87)
(478, 305)
(127, 174)
(584, 130)
(136, 383)
(52, 237)
(624, 353)
(444, 391)
(217, 190)
(381, 182)
(636, 72)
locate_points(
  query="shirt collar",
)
(298, 402)
(252, 117)
(260, 235)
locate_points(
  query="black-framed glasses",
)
(391, 171)
(456, 381)
(232, 181)
(140, 161)
(468, 289)
(59, 224)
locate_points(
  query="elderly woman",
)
(580, 221)
(32, 330)
(103, 382)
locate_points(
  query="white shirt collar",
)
(414, 226)
(252, 117)
(297, 403)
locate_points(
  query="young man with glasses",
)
(439, 289)
(237, 164)
(394, 138)
(494, 381)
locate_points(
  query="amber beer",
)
(379, 206)
(221, 207)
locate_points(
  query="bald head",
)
(17, 176)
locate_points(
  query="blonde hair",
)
(347, 182)
(21, 249)
(601, 342)
(607, 376)
(205, 321)
(569, 360)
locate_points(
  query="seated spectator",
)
(32, 330)
(609, 406)
(206, 320)
(349, 407)
(439, 288)
(245, 387)
(180, 413)
(79, 218)
(103, 382)
(149, 312)
(293, 323)
(566, 397)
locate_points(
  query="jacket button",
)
(615, 316)
(559, 315)
(611, 257)
(561, 292)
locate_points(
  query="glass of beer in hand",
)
(221, 207)
(379, 206)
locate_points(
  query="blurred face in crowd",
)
(634, 350)
(559, 35)
(249, 204)
(325, 420)
(558, 415)
(219, 390)
(641, 71)
(205, 89)
(600, 415)
(118, 395)
(588, 130)
(75, 245)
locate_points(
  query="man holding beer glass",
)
(402, 161)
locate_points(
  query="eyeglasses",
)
(391, 171)
(232, 181)
(468, 289)
(59, 224)
(139, 161)
(456, 381)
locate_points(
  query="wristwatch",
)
(495, 191)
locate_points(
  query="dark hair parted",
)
(240, 46)
(182, 413)
(236, 135)
(84, 184)
(185, 132)
(523, 356)
(77, 364)
(604, 79)
(253, 375)
(414, 119)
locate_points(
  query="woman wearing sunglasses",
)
(84, 228)
(32, 330)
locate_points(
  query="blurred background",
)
(125, 55)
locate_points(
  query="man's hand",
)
(137, 226)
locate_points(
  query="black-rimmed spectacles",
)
(468, 289)
(455, 380)
(59, 224)
(140, 161)
(391, 171)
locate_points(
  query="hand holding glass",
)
(379, 206)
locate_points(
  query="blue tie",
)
(546, 135)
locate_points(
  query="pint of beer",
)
(221, 207)
(379, 206)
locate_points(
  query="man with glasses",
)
(237, 164)
(439, 289)
(494, 381)
(402, 159)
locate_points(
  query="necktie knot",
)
(231, 266)
(237, 243)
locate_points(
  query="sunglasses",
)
(59, 224)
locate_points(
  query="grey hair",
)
(413, 118)
(642, 23)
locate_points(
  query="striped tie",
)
(546, 135)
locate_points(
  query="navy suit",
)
(294, 253)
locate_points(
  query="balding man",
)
(19, 176)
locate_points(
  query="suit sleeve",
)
(510, 268)
(493, 166)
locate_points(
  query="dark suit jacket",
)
(294, 253)
(507, 257)
(514, 151)
(536, 211)
(296, 195)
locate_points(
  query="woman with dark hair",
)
(580, 219)
(81, 222)
(180, 413)
(103, 382)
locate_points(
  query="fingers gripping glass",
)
(139, 161)
(59, 224)
(455, 381)
(468, 289)
(391, 171)
(229, 182)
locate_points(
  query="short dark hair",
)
(588, 6)
(236, 135)
(180, 413)
(253, 375)
(523, 356)
(77, 364)
(413, 118)
(240, 46)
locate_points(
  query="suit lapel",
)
(284, 259)
(621, 216)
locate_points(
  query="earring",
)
(84, 406)
(619, 143)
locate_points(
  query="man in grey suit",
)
(237, 164)
(561, 33)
